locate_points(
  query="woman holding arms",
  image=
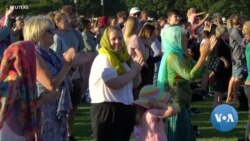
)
(134, 44)
(51, 76)
(176, 72)
(111, 84)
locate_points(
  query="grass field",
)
(82, 128)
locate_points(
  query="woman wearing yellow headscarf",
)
(111, 85)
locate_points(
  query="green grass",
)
(207, 132)
(82, 129)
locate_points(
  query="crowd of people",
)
(137, 70)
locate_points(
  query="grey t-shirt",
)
(235, 41)
(65, 39)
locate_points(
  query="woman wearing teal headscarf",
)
(176, 72)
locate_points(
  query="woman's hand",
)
(137, 64)
(9, 12)
(69, 55)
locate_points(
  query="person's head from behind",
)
(162, 21)
(84, 24)
(112, 21)
(157, 28)
(40, 30)
(205, 34)
(144, 15)
(135, 12)
(121, 17)
(132, 27)
(113, 36)
(61, 21)
(183, 23)
(147, 33)
(217, 19)
(246, 30)
(236, 20)
(70, 13)
(173, 17)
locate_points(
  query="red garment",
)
(103, 21)
(18, 85)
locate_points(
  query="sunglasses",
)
(137, 14)
(51, 31)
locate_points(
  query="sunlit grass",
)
(82, 129)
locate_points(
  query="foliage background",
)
(156, 8)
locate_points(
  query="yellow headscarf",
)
(115, 58)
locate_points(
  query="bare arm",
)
(201, 22)
(163, 113)
(122, 80)
(44, 76)
(204, 51)
(201, 13)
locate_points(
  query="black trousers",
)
(112, 121)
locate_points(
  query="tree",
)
(91, 8)
(154, 7)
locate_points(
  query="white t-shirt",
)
(102, 71)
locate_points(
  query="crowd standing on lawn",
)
(136, 70)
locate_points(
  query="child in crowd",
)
(151, 108)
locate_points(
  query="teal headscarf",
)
(171, 37)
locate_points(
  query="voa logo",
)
(224, 118)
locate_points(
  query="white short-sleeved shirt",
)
(102, 71)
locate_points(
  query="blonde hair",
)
(229, 23)
(131, 28)
(220, 30)
(246, 28)
(36, 26)
(112, 28)
(147, 31)
(56, 17)
(190, 11)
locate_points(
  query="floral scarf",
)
(64, 104)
